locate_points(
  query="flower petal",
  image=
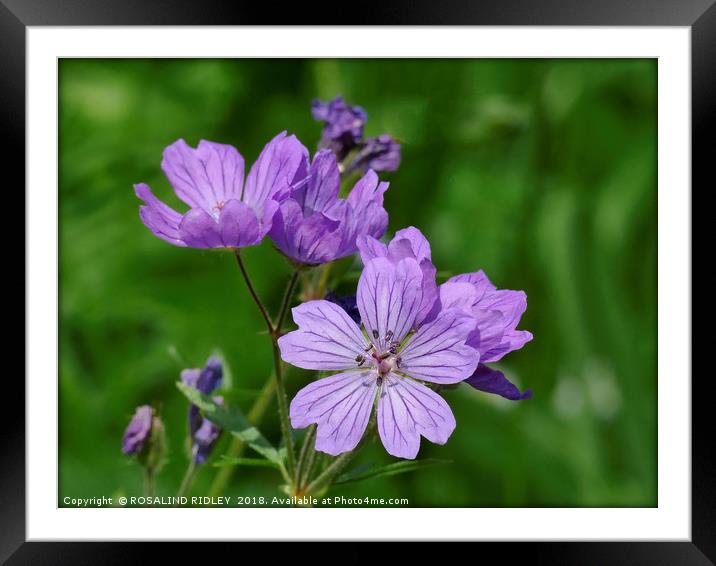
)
(281, 163)
(437, 352)
(326, 339)
(418, 242)
(389, 296)
(366, 201)
(493, 381)
(311, 240)
(370, 248)
(340, 405)
(200, 230)
(162, 220)
(321, 190)
(408, 409)
(206, 176)
(239, 226)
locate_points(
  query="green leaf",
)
(251, 462)
(361, 473)
(231, 419)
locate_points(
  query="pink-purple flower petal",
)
(326, 339)
(437, 352)
(407, 410)
(389, 296)
(162, 220)
(340, 406)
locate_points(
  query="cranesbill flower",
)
(407, 243)
(225, 212)
(203, 432)
(496, 313)
(381, 153)
(343, 124)
(138, 430)
(387, 362)
(314, 226)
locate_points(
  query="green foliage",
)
(540, 172)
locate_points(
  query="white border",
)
(671, 520)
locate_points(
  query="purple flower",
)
(381, 153)
(138, 430)
(225, 212)
(203, 432)
(388, 362)
(496, 313)
(407, 243)
(343, 128)
(314, 226)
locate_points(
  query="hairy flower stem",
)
(274, 331)
(237, 446)
(253, 293)
(188, 478)
(306, 450)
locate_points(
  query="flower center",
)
(382, 361)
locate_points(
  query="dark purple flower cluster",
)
(343, 133)
(202, 432)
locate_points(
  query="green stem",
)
(306, 449)
(283, 409)
(188, 478)
(329, 474)
(286, 302)
(253, 293)
(148, 482)
(237, 446)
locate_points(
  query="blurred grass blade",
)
(231, 419)
(250, 462)
(361, 473)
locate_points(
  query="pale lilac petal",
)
(370, 248)
(340, 405)
(367, 190)
(478, 279)
(437, 352)
(407, 410)
(326, 339)
(311, 240)
(200, 230)
(389, 296)
(458, 295)
(488, 335)
(321, 190)
(418, 242)
(238, 225)
(511, 340)
(162, 220)
(493, 381)
(277, 168)
(204, 177)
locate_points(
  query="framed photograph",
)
(426, 278)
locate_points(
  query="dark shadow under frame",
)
(700, 15)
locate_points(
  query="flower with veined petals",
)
(314, 226)
(225, 212)
(496, 312)
(388, 362)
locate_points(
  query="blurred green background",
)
(540, 172)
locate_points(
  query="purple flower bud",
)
(343, 128)
(381, 153)
(138, 430)
(348, 303)
(203, 433)
(205, 437)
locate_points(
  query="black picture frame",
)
(699, 15)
